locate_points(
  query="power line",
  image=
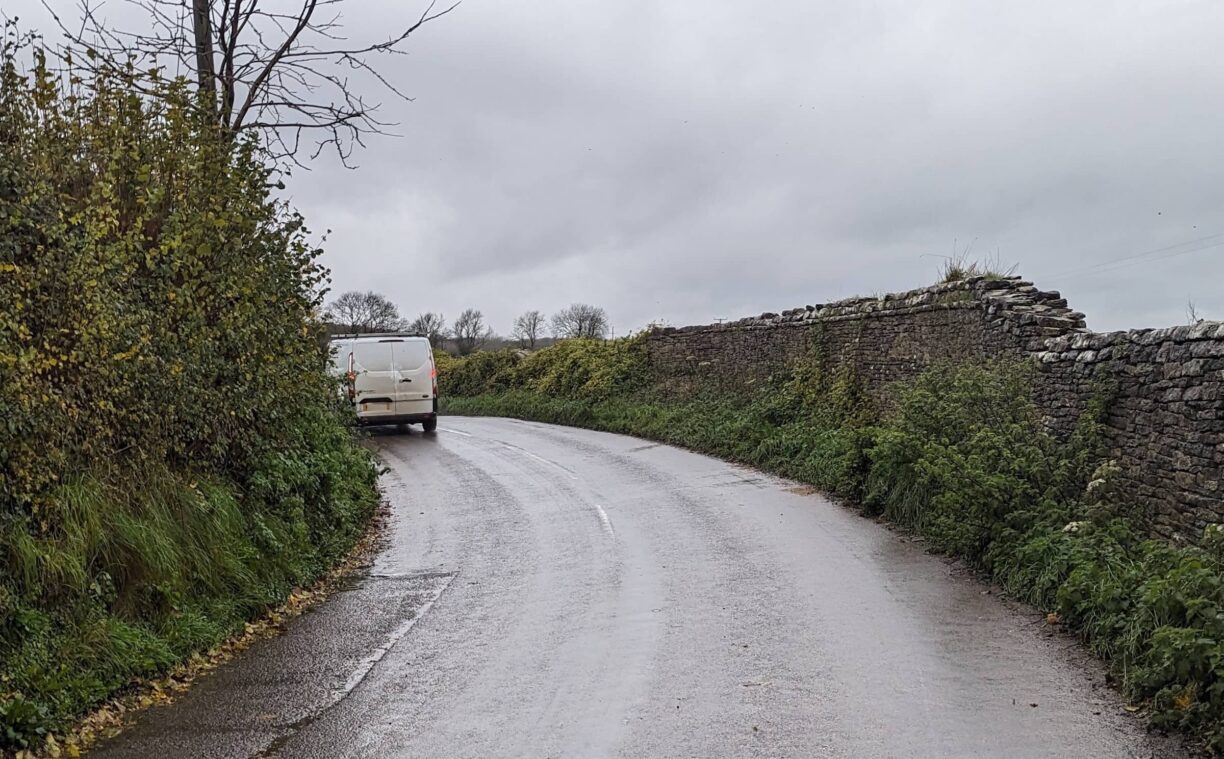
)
(1169, 251)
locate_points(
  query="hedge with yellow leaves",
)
(173, 457)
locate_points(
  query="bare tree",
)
(1192, 313)
(470, 331)
(430, 325)
(527, 328)
(580, 320)
(281, 67)
(363, 312)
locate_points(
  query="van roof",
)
(376, 335)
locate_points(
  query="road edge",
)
(116, 714)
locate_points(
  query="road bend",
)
(553, 592)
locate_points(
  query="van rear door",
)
(413, 363)
(376, 381)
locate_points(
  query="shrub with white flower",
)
(1103, 477)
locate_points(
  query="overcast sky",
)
(686, 160)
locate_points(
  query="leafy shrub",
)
(580, 367)
(173, 455)
(23, 722)
(963, 457)
(586, 367)
(480, 372)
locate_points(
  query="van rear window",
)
(412, 354)
(372, 357)
(339, 356)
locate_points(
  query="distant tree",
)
(364, 312)
(1192, 313)
(580, 320)
(527, 328)
(430, 325)
(470, 331)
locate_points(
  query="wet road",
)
(551, 592)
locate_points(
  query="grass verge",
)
(111, 718)
(146, 567)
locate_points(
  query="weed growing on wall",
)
(964, 459)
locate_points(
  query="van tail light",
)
(351, 376)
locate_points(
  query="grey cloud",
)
(691, 160)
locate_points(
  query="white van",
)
(391, 376)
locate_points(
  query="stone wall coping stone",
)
(1010, 298)
(1084, 340)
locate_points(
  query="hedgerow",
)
(581, 368)
(173, 455)
(963, 458)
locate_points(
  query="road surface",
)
(551, 592)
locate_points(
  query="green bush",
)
(965, 457)
(581, 367)
(173, 454)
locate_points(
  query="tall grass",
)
(133, 568)
(959, 267)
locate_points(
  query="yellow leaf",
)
(1184, 700)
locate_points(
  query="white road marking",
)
(603, 515)
(541, 459)
(607, 523)
(367, 664)
(455, 432)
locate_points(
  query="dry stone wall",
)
(1165, 425)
